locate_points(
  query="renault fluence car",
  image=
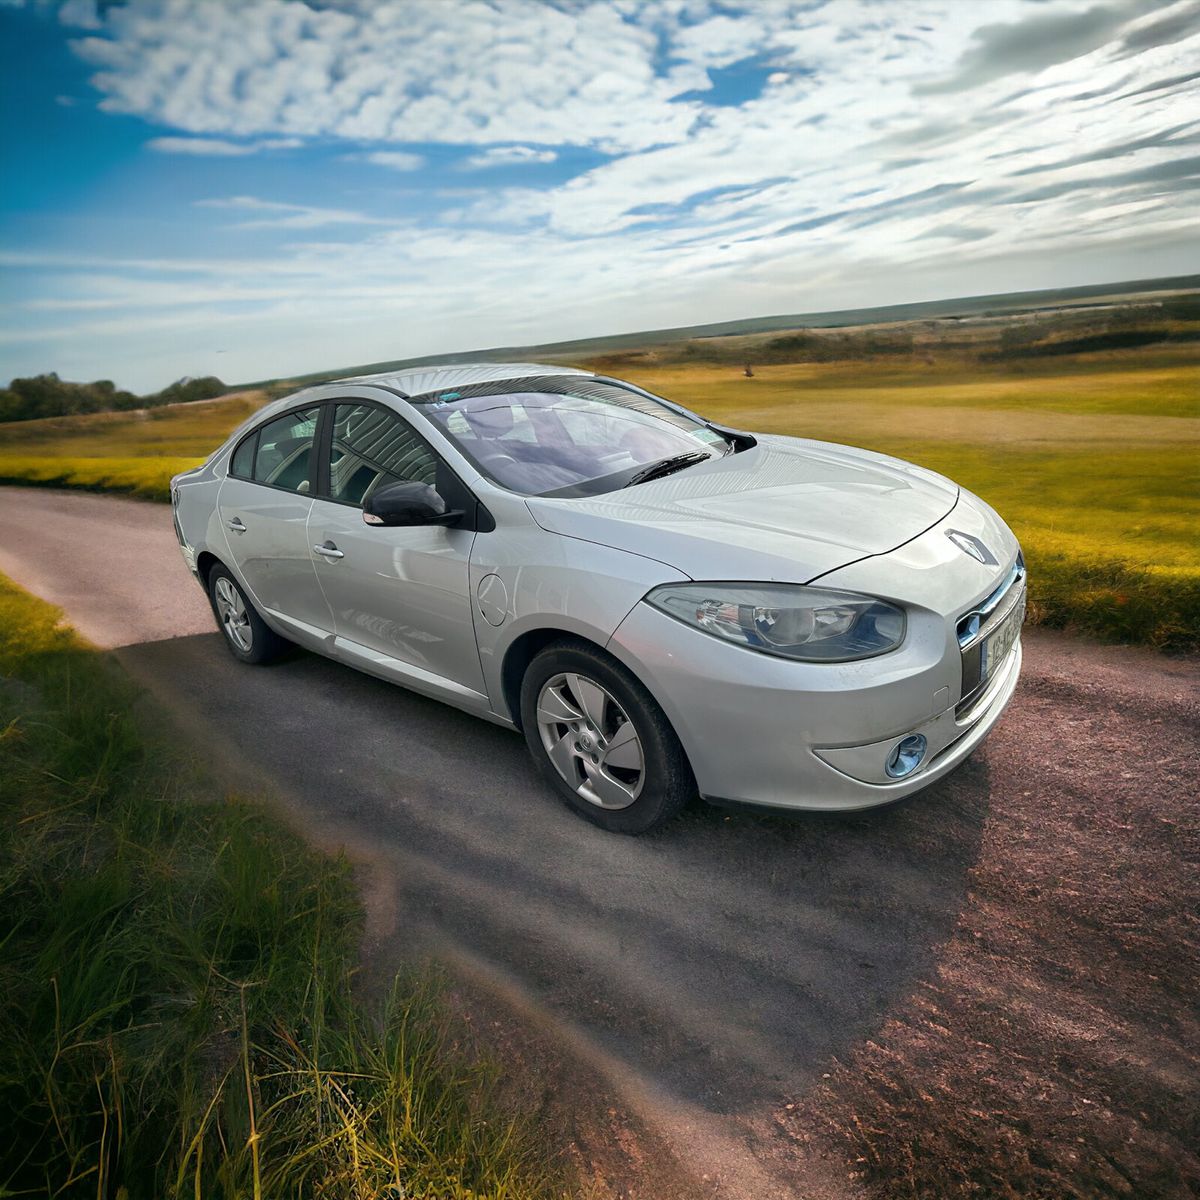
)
(663, 606)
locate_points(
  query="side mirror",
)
(408, 503)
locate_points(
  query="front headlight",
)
(789, 620)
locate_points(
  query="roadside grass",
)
(149, 478)
(177, 1006)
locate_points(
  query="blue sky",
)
(271, 187)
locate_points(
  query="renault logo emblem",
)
(971, 545)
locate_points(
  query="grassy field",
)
(133, 452)
(1095, 463)
(177, 1016)
(1093, 458)
(148, 477)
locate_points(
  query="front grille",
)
(974, 627)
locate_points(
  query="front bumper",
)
(769, 732)
(950, 737)
(777, 733)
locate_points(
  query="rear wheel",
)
(601, 741)
(249, 638)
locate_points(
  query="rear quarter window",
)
(242, 462)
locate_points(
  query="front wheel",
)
(601, 741)
(249, 638)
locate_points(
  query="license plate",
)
(999, 643)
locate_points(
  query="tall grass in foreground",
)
(176, 1012)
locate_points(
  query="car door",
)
(264, 504)
(400, 596)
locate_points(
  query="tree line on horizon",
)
(48, 396)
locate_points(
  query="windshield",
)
(566, 435)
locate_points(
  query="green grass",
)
(177, 1015)
(149, 478)
(134, 452)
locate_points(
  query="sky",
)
(265, 188)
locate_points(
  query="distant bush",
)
(1182, 308)
(1116, 339)
(794, 346)
(1127, 327)
(183, 391)
(48, 396)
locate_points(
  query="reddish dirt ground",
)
(1055, 1049)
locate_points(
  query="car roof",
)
(416, 382)
(438, 376)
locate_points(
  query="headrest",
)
(491, 422)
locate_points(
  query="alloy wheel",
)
(591, 741)
(231, 612)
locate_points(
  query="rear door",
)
(400, 596)
(264, 505)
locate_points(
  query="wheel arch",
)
(205, 561)
(522, 651)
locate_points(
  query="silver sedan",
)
(663, 606)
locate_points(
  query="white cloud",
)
(837, 186)
(219, 147)
(80, 13)
(216, 147)
(405, 71)
(396, 160)
(507, 156)
(275, 215)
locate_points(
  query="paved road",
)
(714, 968)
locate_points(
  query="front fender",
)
(527, 580)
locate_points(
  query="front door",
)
(264, 506)
(400, 596)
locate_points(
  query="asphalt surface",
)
(709, 970)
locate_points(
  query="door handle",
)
(236, 525)
(329, 550)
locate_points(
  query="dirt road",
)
(1040, 902)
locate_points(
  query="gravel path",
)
(692, 990)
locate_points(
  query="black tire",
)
(265, 644)
(667, 783)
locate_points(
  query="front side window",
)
(566, 435)
(285, 450)
(372, 448)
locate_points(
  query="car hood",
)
(786, 509)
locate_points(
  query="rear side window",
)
(242, 463)
(285, 450)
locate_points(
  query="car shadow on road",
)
(727, 958)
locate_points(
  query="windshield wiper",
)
(666, 466)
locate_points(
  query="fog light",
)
(906, 756)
